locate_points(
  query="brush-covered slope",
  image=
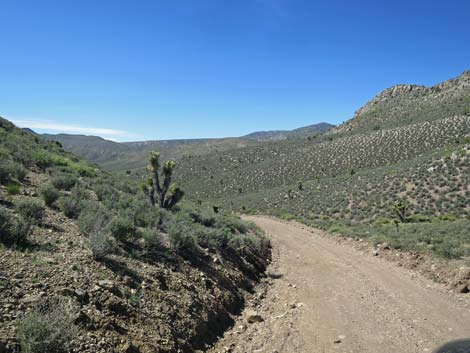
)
(87, 265)
(272, 164)
(406, 104)
(131, 155)
(409, 146)
(92, 148)
(302, 132)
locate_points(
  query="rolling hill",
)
(130, 155)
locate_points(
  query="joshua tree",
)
(168, 193)
(401, 209)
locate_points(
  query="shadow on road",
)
(459, 346)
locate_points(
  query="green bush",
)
(212, 238)
(49, 332)
(31, 210)
(152, 239)
(100, 243)
(10, 171)
(182, 238)
(14, 231)
(49, 194)
(236, 225)
(141, 214)
(122, 229)
(93, 217)
(64, 181)
(80, 192)
(105, 192)
(13, 189)
(70, 206)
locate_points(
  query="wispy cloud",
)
(73, 129)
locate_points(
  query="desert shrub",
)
(141, 214)
(200, 216)
(106, 193)
(236, 225)
(152, 239)
(80, 192)
(31, 210)
(64, 181)
(122, 228)
(5, 174)
(43, 159)
(13, 189)
(447, 217)
(19, 171)
(49, 194)
(10, 171)
(100, 243)
(182, 238)
(417, 218)
(46, 332)
(69, 206)
(246, 244)
(92, 217)
(14, 231)
(212, 238)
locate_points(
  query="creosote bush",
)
(100, 243)
(122, 229)
(92, 217)
(10, 171)
(70, 206)
(64, 181)
(152, 239)
(46, 332)
(14, 231)
(182, 238)
(31, 210)
(49, 194)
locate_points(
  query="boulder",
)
(82, 295)
(463, 288)
(253, 316)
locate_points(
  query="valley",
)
(323, 238)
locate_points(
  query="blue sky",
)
(133, 70)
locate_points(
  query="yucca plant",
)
(168, 193)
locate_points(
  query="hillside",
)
(408, 146)
(87, 265)
(302, 132)
(276, 164)
(131, 155)
(92, 148)
(406, 104)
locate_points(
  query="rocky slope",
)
(407, 104)
(87, 266)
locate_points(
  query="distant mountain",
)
(275, 135)
(93, 148)
(29, 131)
(129, 155)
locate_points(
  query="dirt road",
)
(327, 297)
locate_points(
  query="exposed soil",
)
(323, 295)
(123, 304)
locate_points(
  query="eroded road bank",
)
(322, 296)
